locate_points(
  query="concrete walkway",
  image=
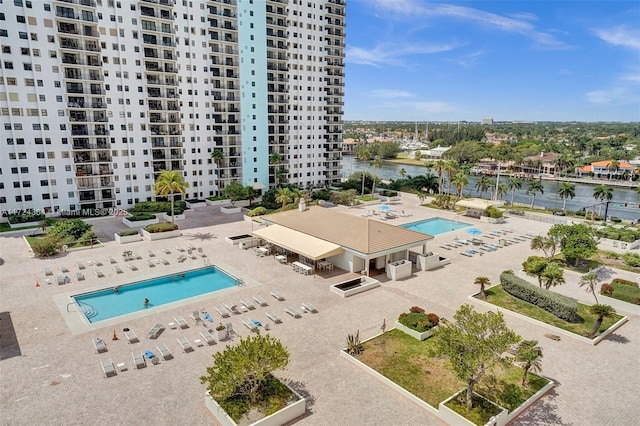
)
(52, 376)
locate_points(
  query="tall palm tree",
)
(439, 166)
(217, 156)
(284, 195)
(376, 163)
(451, 168)
(601, 193)
(566, 190)
(363, 155)
(460, 180)
(534, 187)
(275, 159)
(502, 190)
(602, 311)
(590, 279)
(529, 355)
(613, 166)
(482, 282)
(483, 184)
(548, 245)
(169, 183)
(514, 185)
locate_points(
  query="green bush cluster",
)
(624, 290)
(160, 207)
(562, 307)
(25, 217)
(258, 211)
(136, 217)
(161, 227)
(418, 321)
(628, 235)
(323, 194)
(631, 259)
(493, 212)
(624, 282)
(128, 233)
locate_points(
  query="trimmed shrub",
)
(493, 212)
(140, 216)
(562, 307)
(15, 219)
(128, 232)
(217, 198)
(258, 211)
(628, 235)
(161, 227)
(433, 318)
(626, 293)
(624, 282)
(46, 246)
(606, 290)
(416, 321)
(322, 194)
(416, 310)
(159, 207)
(631, 259)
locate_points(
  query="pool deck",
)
(51, 374)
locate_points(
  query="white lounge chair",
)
(99, 273)
(80, 276)
(195, 316)
(48, 272)
(99, 345)
(309, 307)
(61, 280)
(464, 253)
(81, 266)
(166, 251)
(111, 259)
(259, 300)
(231, 330)
(247, 303)
(201, 253)
(108, 369)
(181, 258)
(232, 308)
(184, 344)
(180, 249)
(132, 266)
(250, 325)
(131, 336)
(445, 247)
(223, 312)
(117, 269)
(277, 295)
(163, 261)
(97, 263)
(292, 312)
(165, 353)
(150, 253)
(150, 263)
(155, 331)
(273, 317)
(63, 269)
(208, 338)
(138, 360)
(181, 321)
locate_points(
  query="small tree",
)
(169, 183)
(474, 344)
(552, 275)
(534, 266)
(284, 196)
(602, 311)
(529, 355)
(548, 245)
(576, 241)
(482, 282)
(241, 369)
(590, 279)
(234, 192)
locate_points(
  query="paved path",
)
(54, 377)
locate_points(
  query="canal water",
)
(549, 199)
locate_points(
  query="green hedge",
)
(128, 233)
(628, 235)
(562, 307)
(631, 259)
(140, 216)
(625, 292)
(418, 321)
(159, 207)
(258, 211)
(25, 217)
(161, 227)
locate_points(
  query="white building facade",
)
(98, 96)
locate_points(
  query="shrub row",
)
(625, 292)
(627, 235)
(159, 207)
(624, 282)
(26, 217)
(161, 227)
(140, 216)
(631, 259)
(128, 233)
(562, 307)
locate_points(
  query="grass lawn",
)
(409, 363)
(4, 227)
(626, 293)
(497, 296)
(30, 240)
(366, 198)
(405, 160)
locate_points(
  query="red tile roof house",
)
(600, 169)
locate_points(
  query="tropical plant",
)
(276, 159)
(566, 190)
(474, 344)
(514, 185)
(590, 280)
(250, 193)
(354, 347)
(529, 355)
(482, 282)
(460, 180)
(614, 166)
(483, 184)
(502, 190)
(217, 156)
(402, 172)
(548, 245)
(534, 266)
(363, 155)
(552, 275)
(601, 193)
(234, 192)
(602, 311)
(439, 166)
(376, 163)
(169, 183)
(284, 196)
(451, 168)
(576, 241)
(534, 187)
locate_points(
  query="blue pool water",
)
(129, 298)
(435, 226)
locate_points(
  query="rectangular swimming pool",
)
(435, 226)
(128, 298)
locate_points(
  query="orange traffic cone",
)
(37, 283)
(114, 335)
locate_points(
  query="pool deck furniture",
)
(97, 262)
(231, 330)
(63, 269)
(277, 295)
(81, 266)
(232, 308)
(99, 273)
(273, 317)
(138, 360)
(309, 307)
(132, 266)
(131, 336)
(166, 251)
(165, 353)
(250, 325)
(222, 312)
(61, 280)
(302, 268)
(201, 253)
(163, 261)
(292, 312)
(208, 338)
(99, 345)
(179, 319)
(150, 263)
(181, 258)
(259, 300)
(191, 247)
(155, 331)
(464, 253)
(445, 247)
(184, 344)
(180, 249)
(111, 259)
(80, 276)
(108, 369)
(247, 303)
(150, 253)
(281, 258)
(195, 316)
(117, 269)
(48, 272)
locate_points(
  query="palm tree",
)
(168, 183)
(363, 155)
(552, 275)
(544, 243)
(376, 163)
(534, 187)
(482, 282)
(514, 185)
(250, 193)
(439, 166)
(602, 311)
(429, 183)
(613, 166)
(451, 168)
(284, 195)
(402, 172)
(460, 180)
(483, 184)
(601, 193)
(529, 355)
(590, 279)
(275, 159)
(217, 156)
(502, 190)
(566, 190)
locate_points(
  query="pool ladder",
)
(88, 310)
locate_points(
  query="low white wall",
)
(218, 202)
(196, 205)
(400, 269)
(139, 223)
(366, 283)
(453, 418)
(167, 217)
(415, 334)
(23, 225)
(230, 210)
(619, 244)
(161, 235)
(128, 238)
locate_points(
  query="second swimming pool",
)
(129, 298)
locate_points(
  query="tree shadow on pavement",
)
(543, 412)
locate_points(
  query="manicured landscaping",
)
(408, 363)
(497, 296)
(624, 290)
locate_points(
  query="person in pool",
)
(146, 302)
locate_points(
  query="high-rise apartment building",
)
(98, 96)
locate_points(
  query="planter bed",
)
(415, 334)
(167, 217)
(224, 202)
(354, 286)
(237, 239)
(196, 204)
(128, 238)
(24, 225)
(161, 235)
(230, 210)
(139, 223)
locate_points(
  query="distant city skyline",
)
(415, 60)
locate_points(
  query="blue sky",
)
(509, 60)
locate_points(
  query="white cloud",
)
(389, 93)
(620, 36)
(394, 54)
(610, 95)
